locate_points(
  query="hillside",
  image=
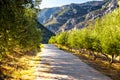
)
(59, 19)
(46, 34)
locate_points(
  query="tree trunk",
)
(112, 59)
(95, 56)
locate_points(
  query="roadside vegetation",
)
(19, 39)
(98, 44)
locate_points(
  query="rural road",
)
(56, 64)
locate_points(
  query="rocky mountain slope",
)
(59, 19)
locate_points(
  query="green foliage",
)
(103, 36)
(18, 27)
(73, 39)
(19, 35)
(52, 40)
(62, 38)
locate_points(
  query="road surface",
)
(56, 64)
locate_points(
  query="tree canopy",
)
(18, 26)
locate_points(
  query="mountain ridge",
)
(67, 17)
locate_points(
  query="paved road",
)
(59, 65)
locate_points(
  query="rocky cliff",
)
(72, 16)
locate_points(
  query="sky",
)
(56, 3)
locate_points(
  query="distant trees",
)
(18, 27)
(103, 36)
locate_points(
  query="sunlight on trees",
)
(18, 26)
(19, 35)
(103, 36)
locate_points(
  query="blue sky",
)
(55, 3)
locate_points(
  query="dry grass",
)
(19, 66)
(104, 67)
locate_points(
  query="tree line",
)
(101, 37)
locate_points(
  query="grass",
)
(103, 66)
(30, 63)
(19, 66)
